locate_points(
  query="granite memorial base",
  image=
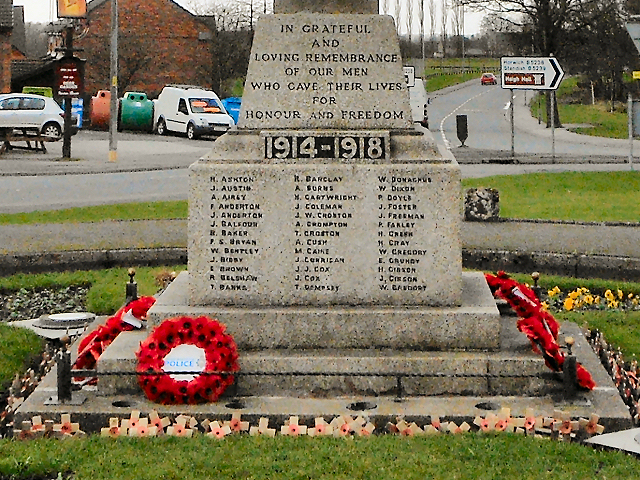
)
(457, 345)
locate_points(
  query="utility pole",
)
(113, 110)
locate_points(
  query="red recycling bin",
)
(100, 109)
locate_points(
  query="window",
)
(10, 104)
(182, 107)
(32, 104)
(204, 105)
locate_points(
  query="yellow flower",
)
(608, 295)
(554, 291)
(545, 306)
(613, 304)
(630, 296)
(575, 294)
(620, 294)
(597, 300)
(568, 303)
(588, 299)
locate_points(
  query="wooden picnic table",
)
(9, 135)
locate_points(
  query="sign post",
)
(69, 84)
(532, 73)
(70, 72)
(633, 28)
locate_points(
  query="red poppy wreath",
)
(178, 361)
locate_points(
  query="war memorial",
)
(324, 232)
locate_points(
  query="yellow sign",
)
(72, 8)
(636, 75)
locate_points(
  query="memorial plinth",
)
(326, 223)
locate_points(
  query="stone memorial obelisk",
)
(324, 229)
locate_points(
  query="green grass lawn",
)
(580, 196)
(442, 73)
(122, 211)
(18, 347)
(601, 121)
(460, 457)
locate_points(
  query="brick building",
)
(6, 51)
(159, 42)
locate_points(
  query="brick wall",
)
(5, 62)
(158, 44)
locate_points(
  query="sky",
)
(45, 11)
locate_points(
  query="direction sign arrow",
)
(531, 73)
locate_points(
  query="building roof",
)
(29, 67)
(6, 14)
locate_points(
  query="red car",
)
(488, 79)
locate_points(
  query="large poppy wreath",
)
(197, 346)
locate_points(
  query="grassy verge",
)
(580, 196)
(601, 120)
(460, 457)
(442, 73)
(123, 211)
(18, 347)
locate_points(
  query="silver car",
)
(30, 112)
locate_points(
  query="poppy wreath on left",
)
(220, 354)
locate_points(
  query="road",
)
(152, 168)
(489, 124)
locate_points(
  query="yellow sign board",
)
(72, 8)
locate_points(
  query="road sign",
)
(531, 73)
(410, 75)
(633, 27)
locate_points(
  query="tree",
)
(546, 20)
(444, 18)
(432, 19)
(234, 22)
(457, 27)
(606, 49)
(409, 15)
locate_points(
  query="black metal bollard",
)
(461, 128)
(131, 291)
(570, 377)
(63, 362)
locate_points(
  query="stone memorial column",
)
(327, 219)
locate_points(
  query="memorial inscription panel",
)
(325, 71)
(325, 234)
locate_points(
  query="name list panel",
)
(328, 235)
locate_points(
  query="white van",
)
(419, 103)
(191, 110)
